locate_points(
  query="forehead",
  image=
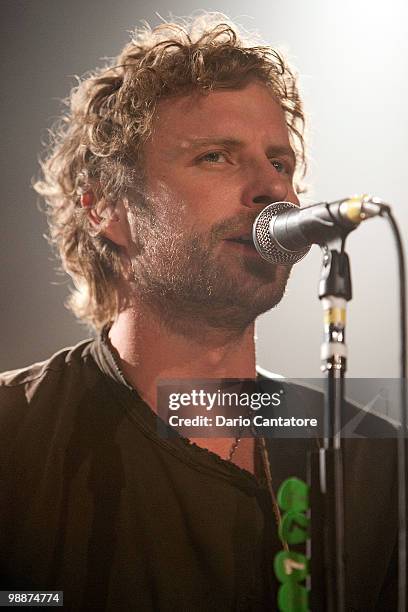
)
(248, 113)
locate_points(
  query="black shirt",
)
(95, 503)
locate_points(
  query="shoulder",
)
(39, 404)
(65, 373)
(67, 360)
(57, 363)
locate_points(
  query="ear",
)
(111, 222)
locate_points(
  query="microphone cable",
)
(402, 444)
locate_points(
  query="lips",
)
(242, 239)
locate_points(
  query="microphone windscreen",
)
(267, 247)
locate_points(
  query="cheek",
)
(216, 199)
(162, 200)
(193, 200)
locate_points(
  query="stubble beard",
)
(181, 276)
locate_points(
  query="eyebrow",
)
(195, 143)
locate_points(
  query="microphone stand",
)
(325, 465)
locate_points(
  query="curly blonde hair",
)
(98, 143)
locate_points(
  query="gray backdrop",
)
(354, 61)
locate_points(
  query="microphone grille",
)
(265, 245)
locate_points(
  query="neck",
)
(149, 351)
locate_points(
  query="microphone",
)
(283, 233)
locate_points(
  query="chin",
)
(267, 279)
(271, 292)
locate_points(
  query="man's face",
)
(212, 163)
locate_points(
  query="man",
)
(153, 183)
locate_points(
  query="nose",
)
(269, 186)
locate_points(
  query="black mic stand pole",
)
(325, 465)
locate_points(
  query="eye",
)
(279, 166)
(214, 157)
